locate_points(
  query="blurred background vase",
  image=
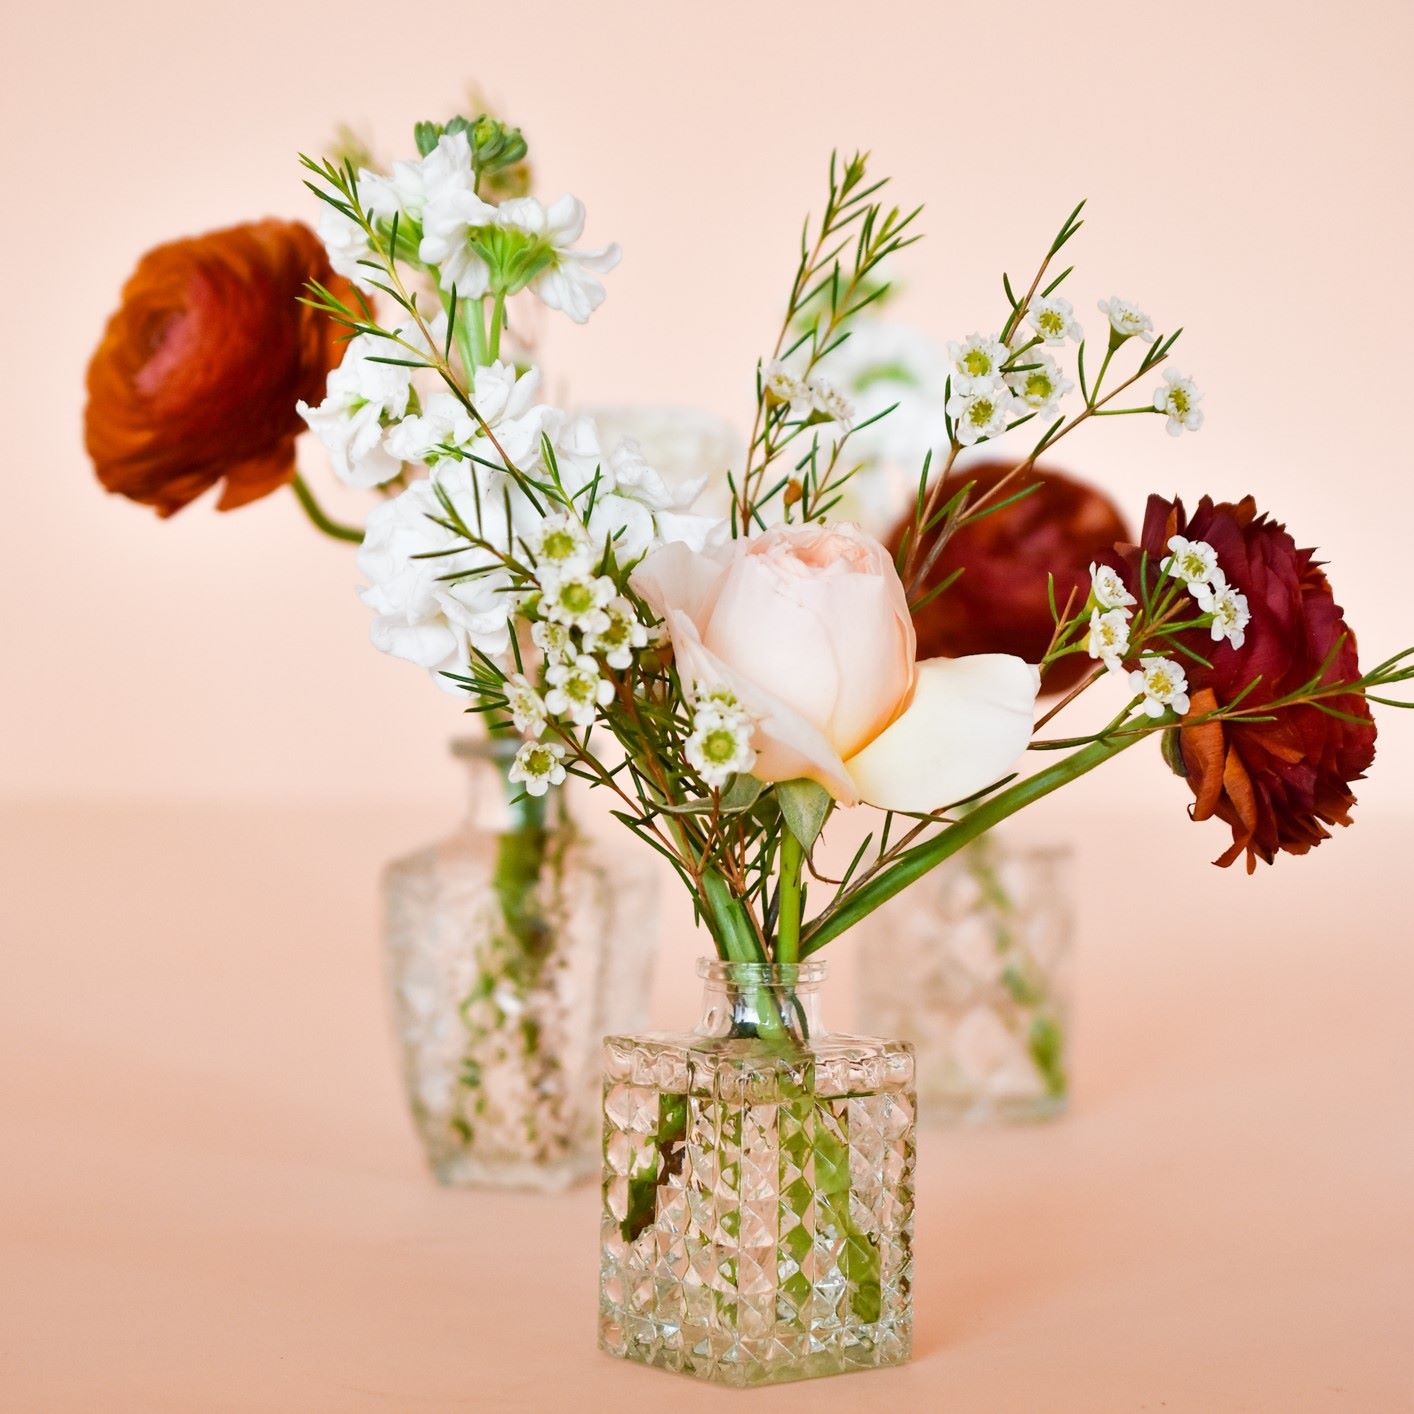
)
(512, 947)
(972, 967)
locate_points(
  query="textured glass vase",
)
(512, 946)
(972, 965)
(758, 1189)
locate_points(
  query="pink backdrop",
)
(1242, 164)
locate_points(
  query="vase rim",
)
(725, 972)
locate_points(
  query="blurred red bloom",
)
(999, 604)
(198, 372)
(1277, 784)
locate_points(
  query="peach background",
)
(202, 761)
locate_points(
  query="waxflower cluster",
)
(812, 399)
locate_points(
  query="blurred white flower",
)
(782, 385)
(525, 705)
(830, 402)
(1179, 397)
(1053, 319)
(553, 639)
(1127, 320)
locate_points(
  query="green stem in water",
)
(912, 864)
(788, 919)
(315, 512)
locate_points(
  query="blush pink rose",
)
(809, 627)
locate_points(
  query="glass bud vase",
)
(758, 1189)
(512, 946)
(972, 965)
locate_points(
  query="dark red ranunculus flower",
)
(1277, 784)
(999, 603)
(197, 375)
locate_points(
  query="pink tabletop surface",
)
(211, 1199)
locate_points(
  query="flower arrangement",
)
(732, 683)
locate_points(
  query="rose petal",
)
(969, 720)
(677, 577)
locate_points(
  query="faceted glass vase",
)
(972, 965)
(757, 1219)
(512, 946)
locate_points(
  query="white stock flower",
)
(1109, 637)
(578, 600)
(1039, 383)
(406, 556)
(1179, 397)
(526, 706)
(538, 765)
(979, 415)
(451, 212)
(361, 397)
(577, 691)
(1228, 608)
(567, 283)
(620, 637)
(1195, 562)
(1108, 588)
(553, 639)
(1163, 683)
(1127, 320)
(977, 363)
(1053, 319)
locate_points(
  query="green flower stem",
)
(788, 923)
(742, 945)
(498, 323)
(914, 863)
(315, 512)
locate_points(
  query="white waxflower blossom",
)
(420, 614)
(979, 415)
(1195, 562)
(526, 706)
(538, 765)
(1053, 319)
(1163, 683)
(1108, 588)
(559, 547)
(715, 698)
(719, 746)
(578, 600)
(782, 385)
(1127, 320)
(829, 401)
(553, 639)
(1039, 383)
(977, 363)
(1228, 608)
(577, 691)
(362, 396)
(451, 212)
(567, 283)
(1179, 397)
(621, 637)
(1109, 637)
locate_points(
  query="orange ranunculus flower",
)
(198, 373)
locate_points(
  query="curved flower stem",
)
(921, 858)
(315, 512)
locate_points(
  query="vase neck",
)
(761, 999)
(490, 794)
